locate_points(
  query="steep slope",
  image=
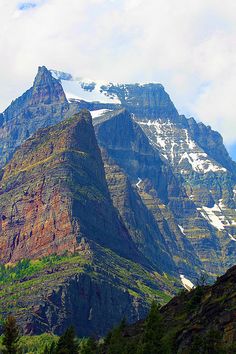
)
(42, 105)
(206, 211)
(209, 184)
(54, 193)
(139, 221)
(92, 289)
(77, 261)
(196, 197)
(202, 321)
(126, 144)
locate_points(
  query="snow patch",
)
(232, 238)
(138, 183)
(211, 216)
(191, 144)
(200, 162)
(221, 204)
(176, 143)
(99, 112)
(85, 89)
(186, 283)
(181, 229)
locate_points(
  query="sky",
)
(188, 46)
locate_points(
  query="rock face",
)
(198, 183)
(214, 311)
(92, 289)
(122, 139)
(144, 100)
(202, 321)
(159, 191)
(42, 105)
(139, 221)
(91, 306)
(180, 168)
(54, 192)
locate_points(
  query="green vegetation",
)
(27, 268)
(10, 336)
(67, 343)
(24, 284)
(151, 339)
(33, 344)
(195, 299)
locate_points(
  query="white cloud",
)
(188, 46)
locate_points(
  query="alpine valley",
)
(109, 199)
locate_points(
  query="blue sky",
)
(24, 6)
(188, 46)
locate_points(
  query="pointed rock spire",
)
(46, 89)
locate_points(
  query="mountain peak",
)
(46, 89)
(43, 75)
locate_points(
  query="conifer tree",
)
(87, 346)
(150, 342)
(10, 335)
(67, 343)
(115, 339)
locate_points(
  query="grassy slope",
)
(25, 283)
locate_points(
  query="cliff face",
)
(42, 105)
(92, 289)
(124, 144)
(190, 179)
(165, 200)
(147, 100)
(139, 221)
(54, 192)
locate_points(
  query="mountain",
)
(54, 193)
(117, 206)
(164, 190)
(128, 147)
(42, 105)
(195, 195)
(205, 211)
(56, 212)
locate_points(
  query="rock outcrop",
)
(202, 321)
(165, 200)
(44, 104)
(124, 144)
(53, 193)
(92, 289)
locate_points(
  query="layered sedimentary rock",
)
(42, 105)
(92, 290)
(54, 192)
(123, 141)
(165, 200)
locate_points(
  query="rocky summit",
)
(107, 197)
(42, 105)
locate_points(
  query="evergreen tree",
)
(150, 342)
(87, 346)
(67, 343)
(10, 335)
(115, 341)
(51, 349)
